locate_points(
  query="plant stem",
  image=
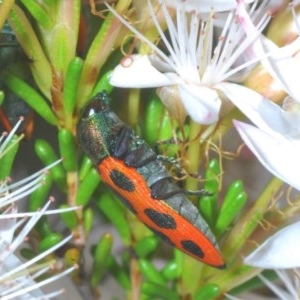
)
(249, 221)
(193, 155)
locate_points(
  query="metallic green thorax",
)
(98, 128)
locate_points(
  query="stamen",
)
(225, 71)
(25, 186)
(19, 284)
(140, 35)
(35, 259)
(221, 48)
(31, 214)
(193, 39)
(52, 295)
(173, 35)
(36, 174)
(288, 283)
(9, 137)
(32, 221)
(38, 285)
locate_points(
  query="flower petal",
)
(291, 113)
(280, 251)
(284, 65)
(277, 154)
(136, 71)
(205, 6)
(265, 114)
(201, 103)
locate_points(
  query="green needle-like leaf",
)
(87, 187)
(47, 155)
(29, 95)
(157, 291)
(235, 199)
(40, 66)
(208, 204)
(102, 255)
(208, 292)
(114, 211)
(38, 13)
(70, 89)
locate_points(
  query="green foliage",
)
(102, 255)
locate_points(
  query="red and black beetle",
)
(133, 171)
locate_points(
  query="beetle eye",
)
(92, 108)
(97, 104)
(87, 112)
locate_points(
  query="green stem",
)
(235, 277)
(239, 236)
(72, 185)
(193, 155)
(249, 221)
(191, 270)
(133, 107)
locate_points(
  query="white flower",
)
(276, 139)
(275, 142)
(197, 68)
(280, 251)
(17, 278)
(277, 153)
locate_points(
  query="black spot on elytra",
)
(161, 235)
(192, 248)
(121, 180)
(160, 219)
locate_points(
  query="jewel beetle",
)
(134, 172)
